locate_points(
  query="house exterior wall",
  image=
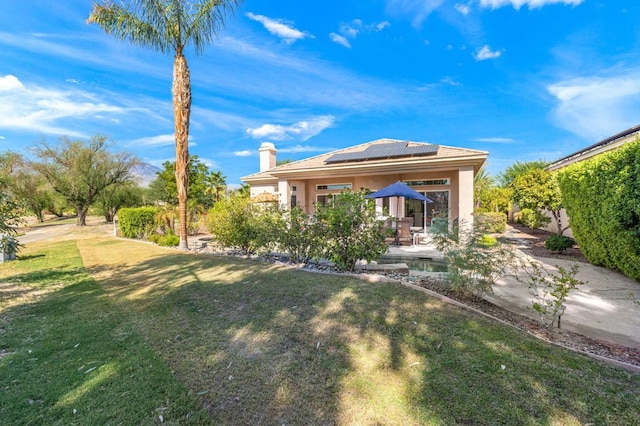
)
(256, 190)
(298, 182)
(378, 182)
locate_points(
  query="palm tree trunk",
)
(181, 89)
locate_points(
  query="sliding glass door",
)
(438, 208)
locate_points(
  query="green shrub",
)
(533, 219)
(238, 222)
(154, 238)
(550, 291)
(487, 240)
(491, 222)
(298, 235)
(602, 198)
(473, 265)
(169, 240)
(558, 243)
(137, 222)
(9, 245)
(351, 231)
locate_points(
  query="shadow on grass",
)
(73, 358)
(259, 343)
(29, 257)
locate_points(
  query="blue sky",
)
(522, 79)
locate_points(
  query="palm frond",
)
(131, 25)
(207, 20)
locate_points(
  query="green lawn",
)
(126, 332)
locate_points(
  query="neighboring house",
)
(444, 174)
(603, 146)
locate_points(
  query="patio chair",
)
(404, 231)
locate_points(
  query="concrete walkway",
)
(603, 308)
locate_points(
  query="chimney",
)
(267, 156)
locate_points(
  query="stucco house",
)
(591, 151)
(443, 173)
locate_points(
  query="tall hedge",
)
(137, 222)
(602, 198)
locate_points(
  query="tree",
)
(10, 211)
(482, 184)
(538, 189)
(518, 168)
(28, 187)
(169, 26)
(80, 171)
(205, 188)
(115, 197)
(215, 185)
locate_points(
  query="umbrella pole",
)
(397, 219)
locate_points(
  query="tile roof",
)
(352, 158)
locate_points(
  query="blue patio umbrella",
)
(401, 189)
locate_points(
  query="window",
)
(333, 187)
(294, 188)
(430, 182)
(294, 200)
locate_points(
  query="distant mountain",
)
(144, 173)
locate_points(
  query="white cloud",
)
(279, 28)
(418, 10)
(495, 140)
(159, 140)
(483, 53)
(341, 40)
(532, 4)
(597, 107)
(310, 82)
(463, 8)
(39, 110)
(382, 25)
(10, 82)
(211, 164)
(351, 30)
(450, 81)
(301, 130)
(245, 153)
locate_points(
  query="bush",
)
(238, 222)
(602, 198)
(298, 235)
(154, 238)
(9, 245)
(487, 241)
(491, 222)
(473, 265)
(350, 229)
(550, 291)
(558, 243)
(137, 222)
(533, 219)
(169, 240)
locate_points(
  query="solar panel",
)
(386, 150)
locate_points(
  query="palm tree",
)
(216, 185)
(169, 26)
